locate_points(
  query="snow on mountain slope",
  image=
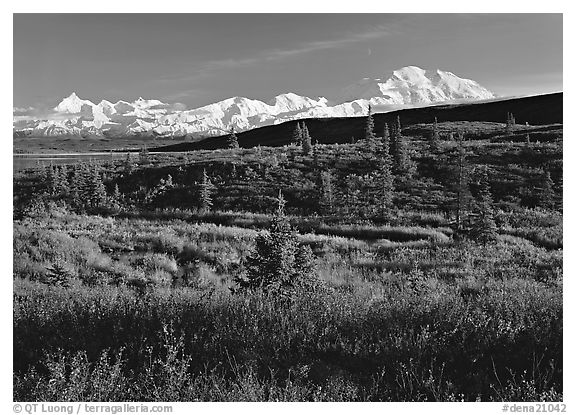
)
(74, 105)
(407, 86)
(415, 86)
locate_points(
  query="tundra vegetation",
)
(417, 263)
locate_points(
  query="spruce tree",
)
(400, 155)
(306, 140)
(78, 186)
(435, 136)
(484, 229)
(545, 191)
(62, 185)
(95, 191)
(369, 128)
(510, 123)
(128, 165)
(50, 180)
(326, 192)
(278, 264)
(117, 198)
(386, 135)
(297, 135)
(232, 140)
(56, 180)
(206, 190)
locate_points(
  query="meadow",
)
(126, 273)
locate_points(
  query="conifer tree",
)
(50, 179)
(369, 128)
(297, 135)
(77, 186)
(62, 184)
(206, 190)
(117, 197)
(306, 140)
(232, 139)
(400, 155)
(128, 165)
(95, 191)
(278, 264)
(484, 229)
(510, 123)
(545, 192)
(326, 192)
(386, 135)
(434, 136)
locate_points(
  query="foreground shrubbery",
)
(419, 320)
(423, 341)
(430, 292)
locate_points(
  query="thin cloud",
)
(207, 69)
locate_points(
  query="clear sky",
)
(197, 59)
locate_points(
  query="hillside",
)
(536, 110)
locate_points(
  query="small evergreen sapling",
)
(484, 229)
(278, 265)
(435, 136)
(233, 140)
(206, 190)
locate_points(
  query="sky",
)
(198, 59)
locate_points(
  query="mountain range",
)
(410, 86)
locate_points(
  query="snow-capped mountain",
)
(409, 86)
(415, 86)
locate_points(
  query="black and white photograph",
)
(287, 207)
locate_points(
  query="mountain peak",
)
(412, 85)
(73, 104)
(409, 72)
